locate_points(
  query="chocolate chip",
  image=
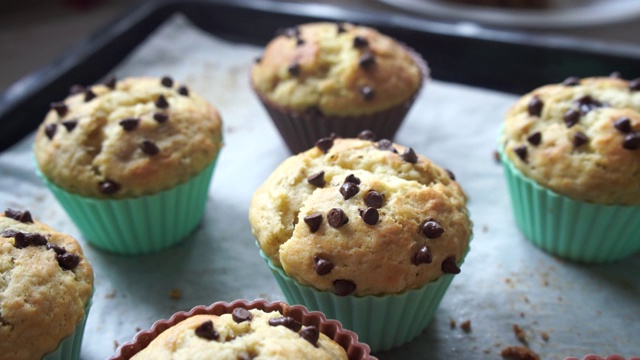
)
(20, 241)
(521, 151)
(68, 261)
(535, 138)
(311, 334)
(60, 107)
(313, 221)
(615, 75)
(587, 103)
(289, 32)
(286, 321)
(241, 314)
(36, 239)
(50, 130)
(183, 90)
(129, 124)
(89, 95)
(70, 124)
(57, 249)
(367, 92)
(631, 141)
(571, 117)
(76, 89)
(535, 106)
(374, 199)
(367, 135)
(149, 148)
(161, 102)
(366, 61)
(348, 190)
(258, 60)
(317, 179)
(160, 117)
(352, 179)
(634, 84)
(370, 216)
(299, 42)
(294, 69)
(623, 125)
(324, 144)
(452, 176)
(431, 229)
(340, 28)
(322, 266)
(166, 81)
(571, 81)
(360, 42)
(344, 287)
(110, 82)
(336, 217)
(22, 216)
(579, 139)
(422, 256)
(206, 331)
(385, 144)
(8, 233)
(109, 187)
(409, 156)
(449, 266)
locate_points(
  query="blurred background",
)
(33, 33)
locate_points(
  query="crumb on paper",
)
(520, 334)
(138, 329)
(526, 299)
(452, 324)
(486, 351)
(507, 280)
(546, 283)
(115, 344)
(544, 336)
(485, 228)
(466, 326)
(559, 298)
(496, 156)
(175, 294)
(519, 352)
(521, 314)
(111, 295)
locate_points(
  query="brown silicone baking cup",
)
(301, 129)
(331, 328)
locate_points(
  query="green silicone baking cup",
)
(69, 347)
(383, 322)
(139, 225)
(574, 230)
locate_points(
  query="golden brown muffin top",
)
(244, 334)
(337, 69)
(130, 138)
(358, 217)
(580, 139)
(45, 285)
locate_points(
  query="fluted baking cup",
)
(331, 328)
(69, 347)
(383, 322)
(301, 129)
(574, 230)
(142, 224)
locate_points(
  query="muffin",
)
(46, 285)
(131, 161)
(571, 154)
(245, 330)
(321, 78)
(364, 232)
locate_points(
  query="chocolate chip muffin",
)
(571, 153)
(319, 78)
(362, 231)
(46, 285)
(131, 161)
(246, 330)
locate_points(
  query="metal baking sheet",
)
(505, 281)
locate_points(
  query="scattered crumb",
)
(521, 314)
(520, 334)
(111, 295)
(526, 299)
(598, 312)
(466, 326)
(486, 351)
(497, 344)
(544, 336)
(485, 228)
(452, 324)
(496, 156)
(175, 294)
(545, 283)
(138, 329)
(519, 352)
(560, 298)
(115, 344)
(507, 280)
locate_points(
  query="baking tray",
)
(505, 281)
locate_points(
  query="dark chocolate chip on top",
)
(631, 141)
(317, 179)
(89, 95)
(22, 240)
(311, 334)
(324, 144)
(587, 103)
(521, 151)
(70, 124)
(294, 69)
(452, 176)
(76, 89)
(409, 156)
(367, 92)
(623, 125)
(571, 81)
(110, 82)
(571, 117)
(360, 42)
(535, 138)
(579, 139)
(166, 81)
(344, 287)
(535, 106)
(340, 27)
(161, 102)
(348, 190)
(449, 266)
(385, 144)
(57, 249)
(50, 130)
(367, 135)
(367, 61)
(370, 216)
(68, 261)
(336, 217)
(634, 84)
(374, 199)
(60, 107)
(160, 117)
(299, 41)
(149, 148)
(286, 321)
(206, 331)
(321, 265)
(313, 221)
(431, 229)
(129, 124)
(108, 187)
(351, 178)
(240, 315)
(422, 256)
(22, 216)
(183, 90)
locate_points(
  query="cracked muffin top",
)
(127, 138)
(580, 139)
(45, 286)
(337, 69)
(243, 334)
(358, 217)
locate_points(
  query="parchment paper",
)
(504, 281)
